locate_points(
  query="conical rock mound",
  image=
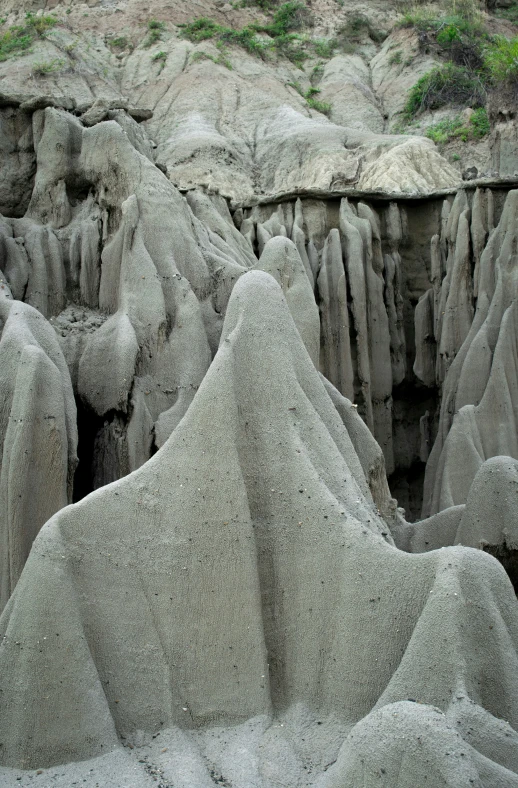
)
(243, 572)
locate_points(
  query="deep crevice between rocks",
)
(88, 426)
(508, 558)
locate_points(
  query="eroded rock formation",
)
(233, 351)
(225, 628)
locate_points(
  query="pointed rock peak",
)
(282, 260)
(257, 302)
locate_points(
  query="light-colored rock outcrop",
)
(476, 357)
(227, 306)
(38, 433)
(246, 134)
(199, 542)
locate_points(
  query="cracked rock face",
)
(233, 351)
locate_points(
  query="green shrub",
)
(159, 56)
(457, 33)
(447, 84)
(288, 17)
(501, 59)
(396, 58)
(19, 38)
(446, 130)
(320, 106)
(291, 46)
(479, 122)
(324, 47)
(455, 128)
(221, 59)
(155, 32)
(40, 24)
(14, 42)
(204, 29)
(309, 95)
(200, 29)
(317, 72)
(119, 43)
(296, 86)
(46, 67)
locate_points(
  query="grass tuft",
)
(121, 42)
(46, 67)
(450, 129)
(156, 29)
(396, 58)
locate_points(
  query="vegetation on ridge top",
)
(278, 34)
(475, 63)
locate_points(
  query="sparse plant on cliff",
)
(160, 58)
(457, 34)
(121, 42)
(320, 106)
(358, 29)
(309, 95)
(324, 47)
(156, 29)
(317, 73)
(221, 60)
(46, 67)
(480, 68)
(70, 48)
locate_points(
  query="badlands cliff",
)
(258, 396)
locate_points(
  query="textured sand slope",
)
(244, 570)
